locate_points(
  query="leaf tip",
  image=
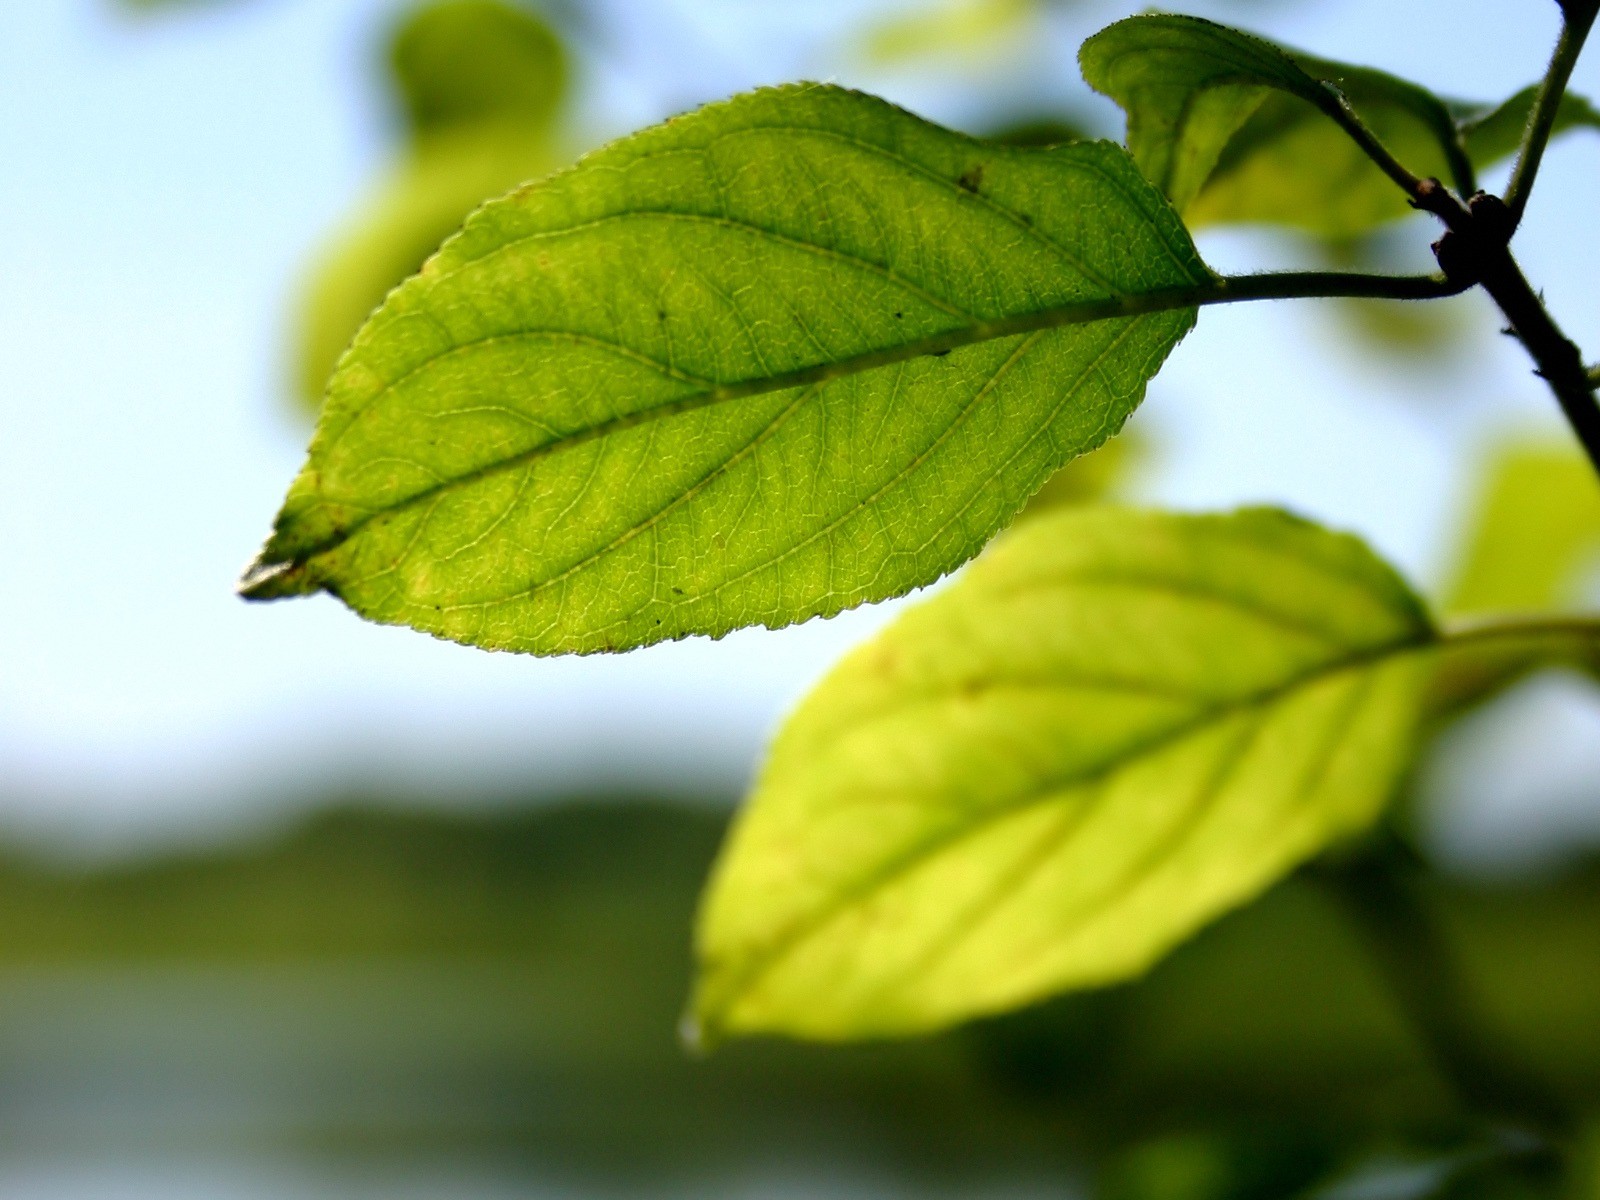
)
(266, 579)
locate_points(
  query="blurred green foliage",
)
(1398, 331)
(482, 86)
(1530, 544)
(469, 63)
(511, 984)
(1101, 474)
(1533, 534)
(144, 7)
(952, 29)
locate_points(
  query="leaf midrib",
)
(273, 563)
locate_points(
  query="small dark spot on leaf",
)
(972, 178)
(940, 353)
(675, 592)
(661, 314)
(899, 316)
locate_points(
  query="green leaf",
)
(1290, 165)
(1187, 86)
(788, 354)
(1235, 129)
(464, 63)
(1492, 134)
(1113, 728)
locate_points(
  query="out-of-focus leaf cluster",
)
(376, 984)
(1533, 537)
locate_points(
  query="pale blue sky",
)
(163, 183)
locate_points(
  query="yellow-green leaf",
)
(1533, 532)
(1491, 134)
(788, 354)
(1532, 541)
(955, 28)
(1114, 727)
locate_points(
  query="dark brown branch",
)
(1475, 249)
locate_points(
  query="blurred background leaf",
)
(466, 63)
(1398, 331)
(1532, 540)
(966, 29)
(1102, 474)
(482, 86)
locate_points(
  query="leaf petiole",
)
(1575, 26)
(1338, 107)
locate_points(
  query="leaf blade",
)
(852, 204)
(1146, 718)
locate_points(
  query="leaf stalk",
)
(1337, 106)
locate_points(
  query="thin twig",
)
(1337, 106)
(1578, 20)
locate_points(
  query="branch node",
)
(1457, 259)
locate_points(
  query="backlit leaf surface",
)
(785, 355)
(1114, 727)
